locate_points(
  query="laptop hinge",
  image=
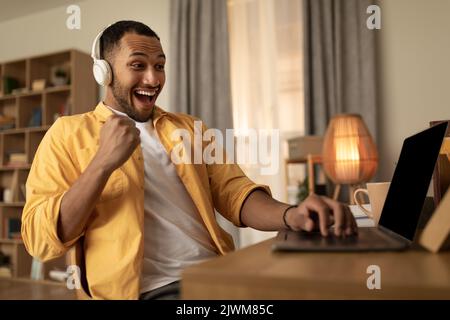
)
(394, 234)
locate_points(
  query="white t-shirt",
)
(174, 234)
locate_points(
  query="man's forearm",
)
(78, 203)
(260, 211)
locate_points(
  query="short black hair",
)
(111, 36)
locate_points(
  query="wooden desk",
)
(258, 273)
(18, 289)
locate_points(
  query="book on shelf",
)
(16, 164)
(17, 159)
(12, 228)
(23, 191)
(19, 91)
(36, 117)
(7, 122)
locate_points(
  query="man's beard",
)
(120, 94)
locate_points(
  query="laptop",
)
(401, 210)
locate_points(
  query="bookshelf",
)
(34, 92)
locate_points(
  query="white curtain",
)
(266, 44)
(200, 78)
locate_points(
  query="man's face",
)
(138, 75)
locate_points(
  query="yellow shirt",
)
(113, 236)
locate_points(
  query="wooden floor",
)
(17, 289)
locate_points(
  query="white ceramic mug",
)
(377, 192)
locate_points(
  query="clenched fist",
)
(118, 139)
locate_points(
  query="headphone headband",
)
(95, 52)
(101, 69)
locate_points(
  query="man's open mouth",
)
(145, 96)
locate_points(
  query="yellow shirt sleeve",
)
(229, 188)
(51, 175)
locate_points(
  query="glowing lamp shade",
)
(349, 154)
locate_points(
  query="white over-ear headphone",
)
(102, 70)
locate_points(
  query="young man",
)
(107, 176)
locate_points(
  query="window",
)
(266, 45)
(266, 53)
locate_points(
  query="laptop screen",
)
(409, 185)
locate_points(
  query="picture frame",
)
(441, 174)
(435, 237)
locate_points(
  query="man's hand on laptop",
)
(320, 213)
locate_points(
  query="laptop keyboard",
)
(331, 238)
(368, 239)
(330, 234)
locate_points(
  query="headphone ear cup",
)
(102, 72)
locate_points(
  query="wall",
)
(46, 31)
(415, 69)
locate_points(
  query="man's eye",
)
(137, 65)
(160, 67)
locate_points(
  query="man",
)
(107, 176)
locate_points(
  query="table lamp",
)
(349, 153)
